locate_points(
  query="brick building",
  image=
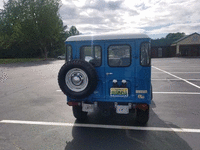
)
(186, 46)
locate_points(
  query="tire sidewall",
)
(142, 116)
(78, 113)
(88, 69)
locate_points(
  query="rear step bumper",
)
(112, 105)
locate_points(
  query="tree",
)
(168, 40)
(175, 36)
(72, 31)
(29, 28)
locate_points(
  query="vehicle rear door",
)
(120, 67)
(93, 52)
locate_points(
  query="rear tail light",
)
(73, 103)
(142, 106)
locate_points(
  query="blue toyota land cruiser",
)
(108, 72)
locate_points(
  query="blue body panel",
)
(138, 77)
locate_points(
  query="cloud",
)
(114, 5)
(102, 5)
(105, 15)
(154, 17)
(68, 12)
(188, 28)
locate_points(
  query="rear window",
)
(145, 58)
(91, 54)
(68, 53)
(119, 55)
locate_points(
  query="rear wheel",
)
(78, 113)
(142, 116)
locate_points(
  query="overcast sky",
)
(156, 18)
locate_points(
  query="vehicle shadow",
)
(87, 138)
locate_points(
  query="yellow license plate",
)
(119, 92)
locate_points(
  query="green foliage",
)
(72, 31)
(175, 36)
(168, 40)
(161, 42)
(32, 28)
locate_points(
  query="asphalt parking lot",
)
(34, 114)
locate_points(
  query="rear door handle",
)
(109, 73)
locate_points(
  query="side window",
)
(68, 53)
(145, 58)
(119, 55)
(91, 54)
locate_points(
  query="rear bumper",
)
(112, 105)
(112, 101)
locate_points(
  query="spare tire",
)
(77, 79)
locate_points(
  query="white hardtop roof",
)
(106, 37)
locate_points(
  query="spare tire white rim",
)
(76, 79)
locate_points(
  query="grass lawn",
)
(16, 60)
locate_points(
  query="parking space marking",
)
(177, 72)
(178, 77)
(183, 130)
(187, 93)
(179, 66)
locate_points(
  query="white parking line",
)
(187, 93)
(183, 130)
(178, 72)
(180, 66)
(177, 77)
